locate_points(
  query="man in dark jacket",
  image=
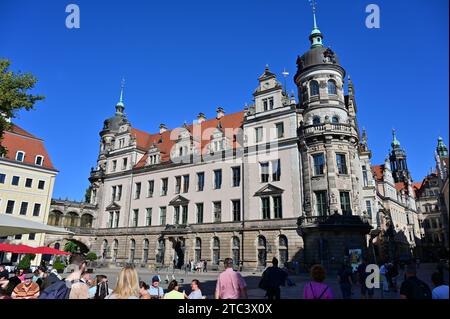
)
(413, 287)
(272, 278)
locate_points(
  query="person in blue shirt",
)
(155, 291)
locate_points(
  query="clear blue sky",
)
(184, 57)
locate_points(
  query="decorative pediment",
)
(113, 206)
(179, 200)
(269, 190)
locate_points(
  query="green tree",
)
(91, 256)
(71, 247)
(25, 262)
(14, 96)
(87, 195)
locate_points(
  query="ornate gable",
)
(269, 190)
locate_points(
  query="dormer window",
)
(20, 156)
(314, 88)
(332, 87)
(39, 160)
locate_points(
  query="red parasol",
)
(50, 251)
(19, 249)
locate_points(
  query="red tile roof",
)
(17, 139)
(202, 134)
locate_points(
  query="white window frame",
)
(42, 160)
(23, 156)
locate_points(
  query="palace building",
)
(281, 178)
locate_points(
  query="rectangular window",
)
(10, 207)
(151, 188)
(164, 185)
(23, 208)
(217, 211)
(135, 217)
(365, 176)
(258, 134)
(200, 181)
(113, 192)
(236, 204)
(162, 216)
(199, 213)
(341, 164)
(184, 216)
(321, 203)
(41, 184)
(15, 180)
(217, 179)
(2, 178)
(28, 182)
(319, 163)
(36, 209)
(148, 217)
(114, 165)
(271, 103)
(345, 203)
(119, 192)
(265, 207)
(137, 193)
(236, 176)
(265, 105)
(264, 172)
(177, 184)
(185, 183)
(276, 170)
(124, 163)
(111, 219)
(31, 236)
(18, 237)
(176, 215)
(280, 130)
(277, 207)
(369, 208)
(117, 219)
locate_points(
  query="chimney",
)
(162, 128)
(201, 118)
(220, 112)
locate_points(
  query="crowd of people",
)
(79, 284)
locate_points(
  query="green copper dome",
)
(441, 148)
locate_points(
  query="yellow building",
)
(27, 177)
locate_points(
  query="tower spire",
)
(395, 142)
(316, 36)
(120, 106)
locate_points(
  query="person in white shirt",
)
(196, 292)
(441, 289)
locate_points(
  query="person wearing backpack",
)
(316, 288)
(414, 288)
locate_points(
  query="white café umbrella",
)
(11, 225)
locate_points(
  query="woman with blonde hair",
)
(127, 285)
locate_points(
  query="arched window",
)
(20, 156)
(314, 88)
(115, 250)
(132, 250)
(331, 87)
(262, 251)
(145, 255)
(86, 220)
(316, 120)
(283, 250)
(71, 220)
(236, 249)
(55, 218)
(216, 251)
(198, 249)
(105, 249)
(335, 119)
(160, 253)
